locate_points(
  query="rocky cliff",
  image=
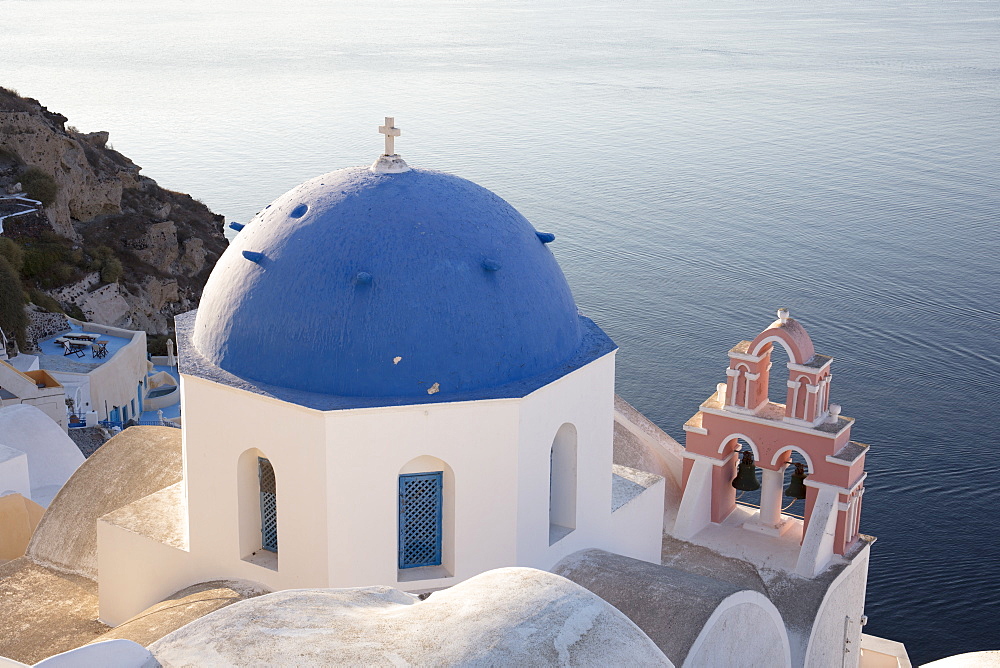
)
(108, 244)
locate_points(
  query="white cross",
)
(389, 131)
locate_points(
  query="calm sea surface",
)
(701, 164)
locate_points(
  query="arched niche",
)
(798, 396)
(562, 483)
(742, 386)
(249, 507)
(428, 464)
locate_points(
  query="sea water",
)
(701, 164)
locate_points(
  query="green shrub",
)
(47, 302)
(74, 311)
(103, 259)
(50, 261)
(111, 270)
(157, 344)
(47, 266)
(101, 253)
(12, 250)
(39, 185)
(13, 319)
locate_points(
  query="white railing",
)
(20, 200)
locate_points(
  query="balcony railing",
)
(110, 424)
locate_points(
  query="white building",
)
(32, 386)
(387, 382)
(102, 369)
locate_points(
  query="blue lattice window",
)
(420, 519)
(268, 505)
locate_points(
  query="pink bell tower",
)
(806, 423)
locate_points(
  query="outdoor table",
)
(82, 335)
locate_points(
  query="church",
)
(388, 385)
(387, 382)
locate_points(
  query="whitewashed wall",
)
(744, 630)
(584, 399)
(839, 618)
(337, 478)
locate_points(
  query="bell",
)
(795, 488)
(746, 476)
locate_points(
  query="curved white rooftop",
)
(505, 617)
(52, 456)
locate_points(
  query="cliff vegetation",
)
(107, 243)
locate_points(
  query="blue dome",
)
(362, 284)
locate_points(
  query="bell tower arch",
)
(833, 471)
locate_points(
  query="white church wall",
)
(585, 400)
(337, 476)
(225, 428)
(644, 512)
(837, 626)
(223, 425)
(694, 512)
(744, 630)
(135, 572)
(369, 448)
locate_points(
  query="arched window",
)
(562, 483)
(268, 505)
(824, 398)
(801, 394)
(777, 388)
(742, 384)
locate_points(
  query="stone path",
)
(88, 439)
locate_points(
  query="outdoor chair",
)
(72, 349)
